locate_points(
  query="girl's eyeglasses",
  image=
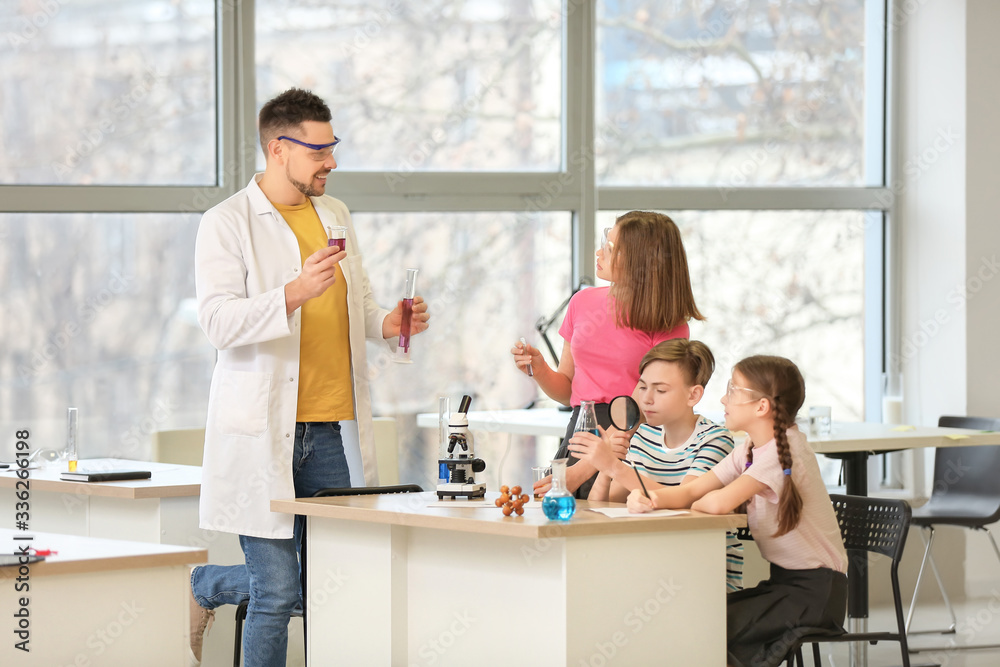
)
(736, 395)
(607, 245)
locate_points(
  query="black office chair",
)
(241, 609)
(867, 525)
(966, 493)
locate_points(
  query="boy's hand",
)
(638, 503)
(618, 441)
(542, 486)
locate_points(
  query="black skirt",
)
(763, 622)
(604, 419)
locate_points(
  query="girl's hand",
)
(595, 451)
(638, 503)
(524, 356)
(418, 323)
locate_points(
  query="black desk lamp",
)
(544, 323)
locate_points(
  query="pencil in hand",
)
(644, 491)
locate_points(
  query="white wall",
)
(930, 185)
(949, 240)
(982, 207)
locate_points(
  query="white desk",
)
(159, 510)
(99, 602)
(394, 582)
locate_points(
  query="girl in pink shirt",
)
(789, 513)
(609, 329)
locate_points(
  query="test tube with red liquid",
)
(410, 291)
(338, 237)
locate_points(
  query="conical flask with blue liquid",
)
(558, 504)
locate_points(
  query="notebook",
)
(104, 476)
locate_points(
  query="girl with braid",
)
(789, 512)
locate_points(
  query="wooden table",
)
(97, 602)
(393, 581)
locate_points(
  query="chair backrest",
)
(386, 449)
(972, 470)
(181, 446)
(368, 490)
(873, 524)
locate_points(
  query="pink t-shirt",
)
(816, 541)
(605, 357)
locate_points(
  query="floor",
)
(978, 623)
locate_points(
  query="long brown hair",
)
(782, 385)
(653, 289)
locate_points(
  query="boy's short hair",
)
(695, 359)
(288, 111)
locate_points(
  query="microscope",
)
(458, 466)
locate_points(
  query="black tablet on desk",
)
(104, 476)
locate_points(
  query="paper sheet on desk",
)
(622, 512)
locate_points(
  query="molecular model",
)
(512, 500)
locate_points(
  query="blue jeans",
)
(270, 577)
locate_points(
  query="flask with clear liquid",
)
(558, 504)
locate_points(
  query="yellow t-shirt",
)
(325, 386)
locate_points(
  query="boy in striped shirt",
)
(675, 445)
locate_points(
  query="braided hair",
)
(782, 385)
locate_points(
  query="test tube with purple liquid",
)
(409, 292)
(338, 237)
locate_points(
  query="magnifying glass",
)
(624, 412)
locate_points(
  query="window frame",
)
(574, 190)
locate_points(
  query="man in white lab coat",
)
(289, 316)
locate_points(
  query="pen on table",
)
(524, 345)
(644, 491)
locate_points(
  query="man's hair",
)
(287, 111)
(692, 356)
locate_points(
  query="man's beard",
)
(307, 190)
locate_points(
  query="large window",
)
(789, 283)
(486, 143)
(447, 86)
(736, 93)
(98, 315)
(487, 277)
(108, 92)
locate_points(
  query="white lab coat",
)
(245, 254)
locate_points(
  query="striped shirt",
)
(708, 444)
